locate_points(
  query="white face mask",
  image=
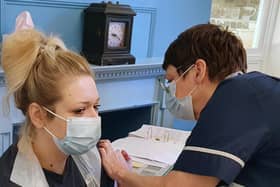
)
(183, 108)
(180, 108)
(82, 134)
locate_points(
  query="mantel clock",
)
(107, 34)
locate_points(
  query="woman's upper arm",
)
(183, 179)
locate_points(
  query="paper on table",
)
(166, 152)
(162, 134)
(149, 162)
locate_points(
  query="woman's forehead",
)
(79, 89)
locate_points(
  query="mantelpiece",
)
(121, 86)
(131, 86)
(128, 72)
(146, 69)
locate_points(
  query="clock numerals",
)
(116, 34)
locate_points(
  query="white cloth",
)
(89, 165)
(27, 170)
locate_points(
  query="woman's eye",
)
(96, 107)
(79, 111)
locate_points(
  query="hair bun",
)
(50, 47)
(19, 53)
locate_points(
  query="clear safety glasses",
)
(164, 84)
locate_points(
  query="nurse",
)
(236, 139)
(55, 90)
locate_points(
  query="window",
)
(252, 20)
(239, 16)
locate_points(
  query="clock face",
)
(116, 34)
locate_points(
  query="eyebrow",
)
(88, 102)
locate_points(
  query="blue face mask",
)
(82, 134)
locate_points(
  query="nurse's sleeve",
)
(229, 131)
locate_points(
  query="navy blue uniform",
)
(237, 137)
(70, 178)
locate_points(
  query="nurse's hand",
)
(115, 162)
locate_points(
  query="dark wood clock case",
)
(96, 48)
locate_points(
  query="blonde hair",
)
(34, 65)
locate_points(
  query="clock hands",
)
(116, 36)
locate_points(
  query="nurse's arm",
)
(173, 179)
(117, 168)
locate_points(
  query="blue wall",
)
(157, 23)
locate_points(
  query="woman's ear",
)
(201, 70)
(37, 115)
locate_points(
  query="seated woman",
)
(55, 90)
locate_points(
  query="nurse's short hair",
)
(35, 66)
(222, 51)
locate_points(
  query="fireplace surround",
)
(129, 95)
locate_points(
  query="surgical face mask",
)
(183, 108)
(82, 134)
(180, 108)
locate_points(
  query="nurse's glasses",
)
(164, 84)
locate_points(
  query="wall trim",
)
(124, 72)
(49, 3)
(76, 5)
(1, 18)
(116, 73)
(38, 3)
(152, 12)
